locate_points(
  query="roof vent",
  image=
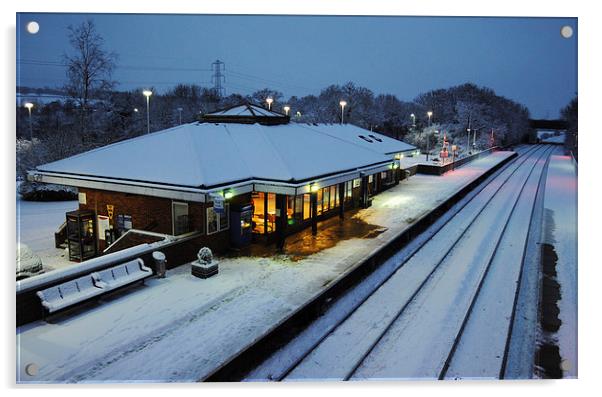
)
(246, 113)
(375, 138)
(366, 139)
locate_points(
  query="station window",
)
(320, 195)
(258, 220)
(290, 207)
(326, 199)
(306, 206)
(298, 214)
(349, 189)
(179, 218)
(334, 197)
(217, 222)
(271, 212)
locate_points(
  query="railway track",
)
(416, 318)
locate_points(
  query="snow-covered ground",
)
(36, 224)
(551, 136)
(561, 200)
(181, 327)
(555, 139)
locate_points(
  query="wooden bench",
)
(84, 288)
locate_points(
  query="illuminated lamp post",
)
(29, 106)
(147, 94)
(428, 136)
(287, 109)
(269, 101)
(343, 104)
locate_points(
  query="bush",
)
(31, 191)
(28, 263)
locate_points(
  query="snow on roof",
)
(371, 140)
(248, 110)
(211, 154)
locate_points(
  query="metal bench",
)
(69, 293)
(118, 276)
(81, 289)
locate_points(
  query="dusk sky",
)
(524, 59)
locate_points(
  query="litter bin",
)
(159, 258)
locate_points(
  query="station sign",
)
(218, 203)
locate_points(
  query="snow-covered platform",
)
(181, 328)
(560, 231)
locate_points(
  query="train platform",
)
(182, 328)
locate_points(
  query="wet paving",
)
(303, 243)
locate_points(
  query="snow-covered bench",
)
(118, 276)
(75, 291)
(69, 293)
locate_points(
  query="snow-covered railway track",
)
(409, 326)
(339, 343)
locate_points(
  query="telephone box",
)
(81, 235)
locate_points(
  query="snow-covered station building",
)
(245, 174)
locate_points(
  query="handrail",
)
(138, 231)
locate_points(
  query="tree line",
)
(96, 114)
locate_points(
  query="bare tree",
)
(89, 67)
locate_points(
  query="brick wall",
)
(154, 214)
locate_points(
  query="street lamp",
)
(467, 140)
(269, 101)
(428, 135)
(428, 143)
(287, 109)
(180, 111)
(343, 104)
(413, 116)
(147, 94)
(29, 106)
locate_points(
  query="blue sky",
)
(525, 59)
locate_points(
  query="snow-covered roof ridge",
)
(245, 109)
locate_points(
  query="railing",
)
(442, 169)
(60, 236)
(142, 232)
